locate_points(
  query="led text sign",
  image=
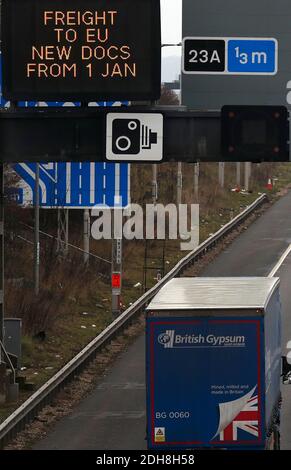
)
(81, 49)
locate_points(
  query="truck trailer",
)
(213, 361)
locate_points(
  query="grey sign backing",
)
(239, 19)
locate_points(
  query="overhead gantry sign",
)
(109, 50)
(82, 50)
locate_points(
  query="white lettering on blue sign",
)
(252, 56)
(74, 185)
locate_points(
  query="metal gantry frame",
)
(188, 136)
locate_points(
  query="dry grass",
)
(68, 290)
(65, 279)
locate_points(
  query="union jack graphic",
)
(239, 415)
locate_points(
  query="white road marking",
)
(280, 262)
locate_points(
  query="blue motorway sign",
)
(74, 185)
(226, 56)
(252, 56)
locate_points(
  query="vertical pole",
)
(155, 184)
(250, 169)
(196, 181)
(145, 266)
(36, 232)
(179, 184)
(2, 257)
(86, 236)
(221, 167)
(63, 232)
(59, 244)
(238, 174)
(116, 270)
(66, 231)
(247, 175)
(164, 252)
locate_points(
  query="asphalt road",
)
(113, 416)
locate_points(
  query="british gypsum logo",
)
(170, 339)
(167, 339)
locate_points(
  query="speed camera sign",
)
(134, 137)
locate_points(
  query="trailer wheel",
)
(276, 439)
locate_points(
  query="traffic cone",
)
(269, 184)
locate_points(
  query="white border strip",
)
(280, 262)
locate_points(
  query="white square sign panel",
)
(134, 137)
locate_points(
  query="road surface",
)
(113, 416)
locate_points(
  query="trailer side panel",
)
(205, 382)
(273, 352)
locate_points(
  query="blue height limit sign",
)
(252, 56)
(230, 56)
